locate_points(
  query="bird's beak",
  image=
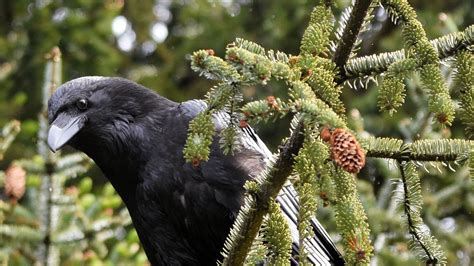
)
(63, 129)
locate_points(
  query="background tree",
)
(149, 41)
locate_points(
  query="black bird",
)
(182, 213)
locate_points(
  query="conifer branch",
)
(7, 135)
(277, 234)
(349, 36)
(406, 208)
(46, 252)
(439, 150)
(201, 131)
(351, 219)
(76, 235)
(392, 92)
(315, 39)
(464, 78)
(20, 233)
(258, 252)
(471, 163)
(365, 66)
(412, 206)
(252, 65)
(257, 202)
(322, 82)
(309, 164)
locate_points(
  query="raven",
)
(182, 213)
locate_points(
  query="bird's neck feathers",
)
(121, 147)
(118, 157)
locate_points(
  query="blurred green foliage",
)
(82, 29)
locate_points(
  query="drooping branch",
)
(349, 36)
(372, 65)
(406, 204)
(412, 206)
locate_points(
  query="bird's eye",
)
(81, 104)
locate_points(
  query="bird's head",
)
(98, 112)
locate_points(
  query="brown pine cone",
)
(15, 182)
(345, 150)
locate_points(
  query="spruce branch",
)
(464, 79)
(46, 252)
(315, 39)
(7, 135)
(383, 147)
(277, 234)
(308, 164)
(351, 219)
(412, 206)
(258, 252)
(440, 150)
(264, 110)
(312, 109)
(314, 99)
(315, 70)
(471, 162)
(322, 82)
(249, 46)
(213, 67)
(255, 66)
(19, 233)
(426, 57)
(200, 134)
(256, 203)
(90, 233)
(218, 95)
(392, 92)
(229, 142)
(350, 33)
(370, 14)
(365, 66)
